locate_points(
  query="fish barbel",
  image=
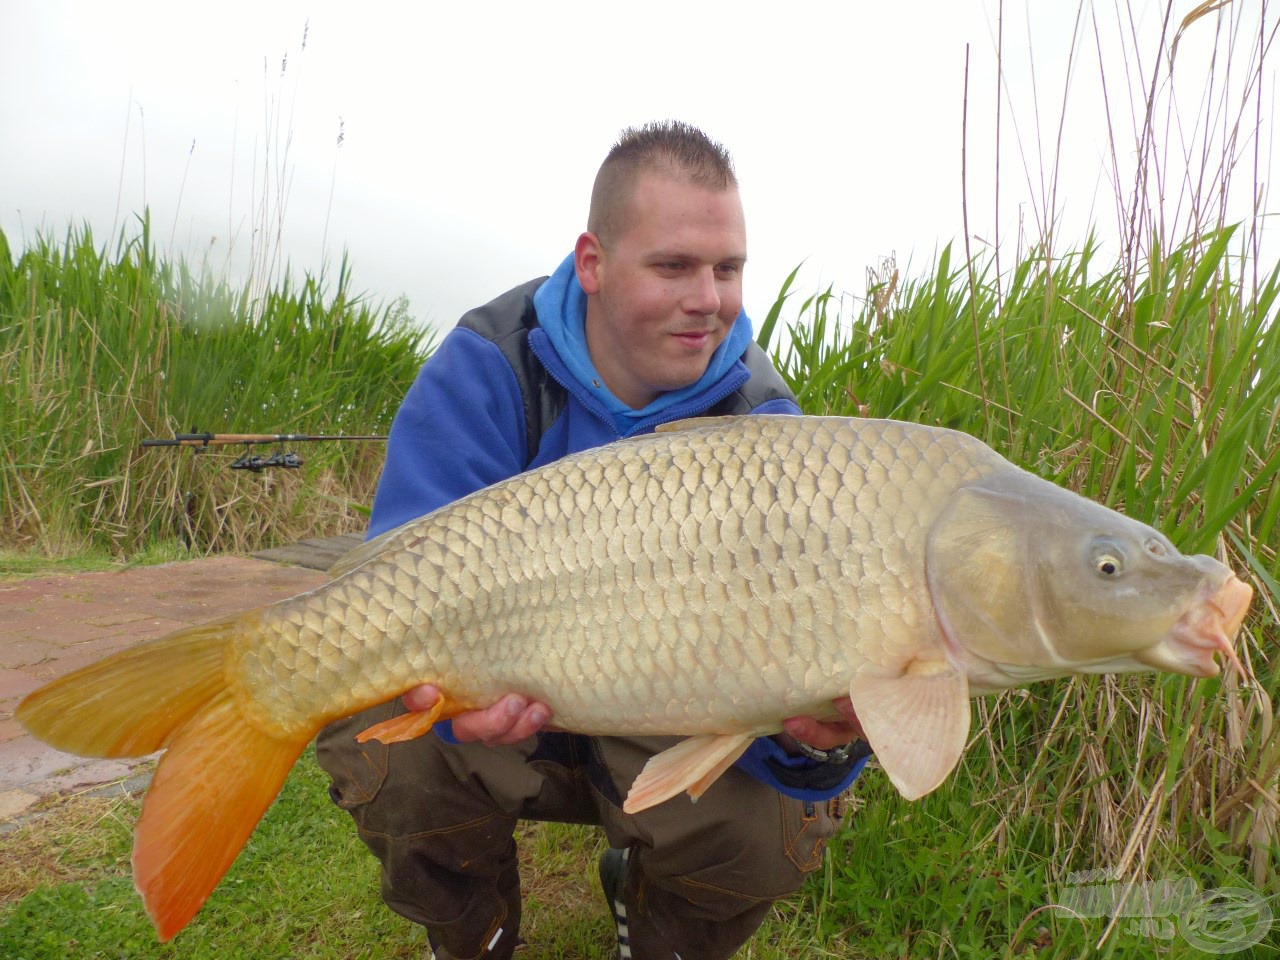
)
(708, 580)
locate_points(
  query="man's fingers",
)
(528, 722)
(510, 720)
(826, 734)
(421, 698)
(845, 706)
(492, 723)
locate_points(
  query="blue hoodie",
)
(462, 427)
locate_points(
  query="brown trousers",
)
(701, 877)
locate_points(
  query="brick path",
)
(53, 625)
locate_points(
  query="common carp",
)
(708, 580)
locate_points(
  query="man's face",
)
(664, 293)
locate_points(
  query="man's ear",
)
(588, 257)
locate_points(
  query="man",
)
(641, 324)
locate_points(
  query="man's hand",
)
(823, 734)
(513, 718)
(510, 720)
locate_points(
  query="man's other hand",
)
(510, 720)
(823, 734)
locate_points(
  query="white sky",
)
(472, 131)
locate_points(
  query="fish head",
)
(1030, 581)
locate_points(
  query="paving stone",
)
(24, 651)
(10, 728)
(52, 625)
(25, 760)
(16, 683)
(15, 802)
(55, 632)
(86, 774)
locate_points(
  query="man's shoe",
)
(437, 952)
(613, 878)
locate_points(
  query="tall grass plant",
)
(1160, 398)
(100, 348)
(1148, 380)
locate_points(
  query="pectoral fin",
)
(409, 726)
(917, 723)
(691, 765)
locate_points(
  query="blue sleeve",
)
(461, 427)
(763, 753)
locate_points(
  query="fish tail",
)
(218, 775)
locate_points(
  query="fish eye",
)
(1107, 558)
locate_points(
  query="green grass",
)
(25, 564)
(903, 880)
(1148, 381)
(1157, 393)
(100, 349)
(304, 887)
(1166, 777)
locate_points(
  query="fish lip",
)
(1205, 628)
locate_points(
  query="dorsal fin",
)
(693, 423)
(366, 551)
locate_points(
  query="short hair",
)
(668, 148)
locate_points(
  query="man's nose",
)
(703, 296)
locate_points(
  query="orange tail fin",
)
(214, 783)
(209, 792)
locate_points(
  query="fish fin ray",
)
(409, 726)
(692, 765)
(211, 788)
(692, 423)
(130, 703)
(918, 723)
(359, 555)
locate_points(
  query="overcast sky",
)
(470, 132)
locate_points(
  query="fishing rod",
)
(248, 461)
(222, 439)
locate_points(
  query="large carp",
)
(708, 580)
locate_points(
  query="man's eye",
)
(728, 269)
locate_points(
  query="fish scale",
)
(618, 568)
(709, 581)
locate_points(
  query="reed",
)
(1159, 397)
(1150, 381)
(99, 349)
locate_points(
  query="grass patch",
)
(304, 887)
(27, 564)
(935, 878)
(1150, 383)
(100, 349)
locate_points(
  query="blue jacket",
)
(495, 399)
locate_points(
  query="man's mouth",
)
(694, 338)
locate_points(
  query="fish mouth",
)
(1207, 627)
